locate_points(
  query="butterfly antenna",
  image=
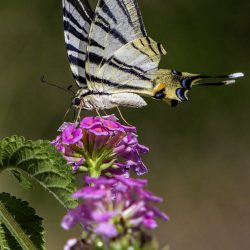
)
(43, 80)
(71, 90)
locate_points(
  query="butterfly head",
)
(81, 99)
(76, 101)
(172, 86)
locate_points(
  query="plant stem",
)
(94, 170)
(14, 228)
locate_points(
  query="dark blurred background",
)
(199, 159)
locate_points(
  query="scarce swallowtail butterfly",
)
(115, 63)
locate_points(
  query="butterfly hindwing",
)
(131, 67)
(77, 19)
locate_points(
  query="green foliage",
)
(40, 161)
(20, 227)
(23, 181)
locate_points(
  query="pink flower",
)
(71, 135)
(101, 138)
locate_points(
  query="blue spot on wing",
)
(181, 94)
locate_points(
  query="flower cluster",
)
(116, 209)
(113, 206)
(99, 144)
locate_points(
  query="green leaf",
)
(4, 245)
(23, 181)
(20, 227)
(42, 162)
(3, 242)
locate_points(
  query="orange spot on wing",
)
(159, 87)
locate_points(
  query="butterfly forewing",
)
(116, 23)
(77, 19)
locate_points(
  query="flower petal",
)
(70, 243)
(71, 135)
(89, 193)
(106, 229)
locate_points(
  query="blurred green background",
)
(199, 159)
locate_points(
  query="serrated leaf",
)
(42, 162)
(4, 245)
(20, 227)
(23, 181)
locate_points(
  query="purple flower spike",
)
(109, 203)
(101, 138)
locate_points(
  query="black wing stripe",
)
(70, 47)
(74, 32)
(95, 59)
(142, 27)
(129, 70)
(95, 44)
(107, 11)
(77, 61)
(116, 34)
(80, 78)
(129, 66)
(72, 19)
(150, 46)
(135, 47)
(125, 12)
(102, 19)
(83, 8)
(160, 48)
(110, 83)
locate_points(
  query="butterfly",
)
(115, 63)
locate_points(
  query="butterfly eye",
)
(76, 101)
(176, 73)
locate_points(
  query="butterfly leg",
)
(98, 113)
(66, 113)
(105, 112)
(78, 116)
(120, 113)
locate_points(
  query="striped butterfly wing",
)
(77, 19)
(132, 67)
(116, 23)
